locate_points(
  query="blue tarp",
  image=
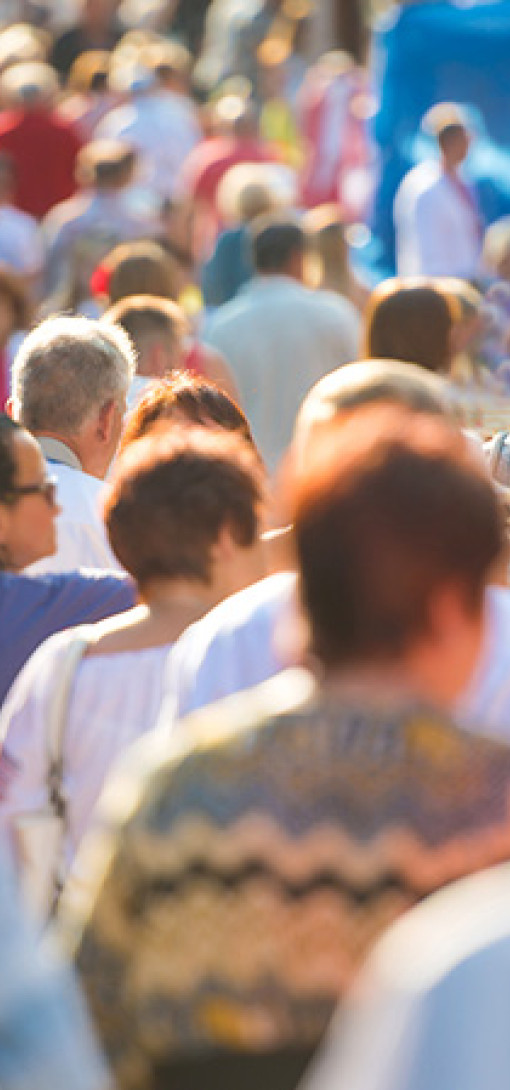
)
(425, 53)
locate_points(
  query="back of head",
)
(105, 164)
(370, 382)
(172, 492)
(140, 268)
(186, 399)
(148, 319)
(30, 84)
(275, 241)
(389, 509)
(410, 321)
(66, 369)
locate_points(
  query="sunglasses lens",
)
(50, 493)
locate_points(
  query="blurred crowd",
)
(254, 563)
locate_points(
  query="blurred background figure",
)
(328, 259)
(15, 319)
(139, 268)
(41, 143)
(439, 227)
(334, 105)
(80, 232)
(88, 96)
(96, 27)
(21, 247)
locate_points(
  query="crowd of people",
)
(254, 568)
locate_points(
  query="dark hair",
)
(8, 431)
(180, 397)
(274, 240)
(171, 494)
(390, 507)
(410, 322)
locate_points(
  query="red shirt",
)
(44, 147)
(208, 163)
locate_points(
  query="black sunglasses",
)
(47, 489)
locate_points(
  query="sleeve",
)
(33, 608)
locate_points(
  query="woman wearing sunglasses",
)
(28, 506)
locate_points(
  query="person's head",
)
(156, 328)
(447, 122)
(105, 164)
(29, 85)
(245, 192)
(70, 381)
(185, 400)
(410, 321)
(140, 268)
(185, 505)
(28, 506)
(398, 531)
(328, 253)
(15, 308)
(89, 72)
(278, 245)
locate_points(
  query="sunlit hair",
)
(411, 321)
(67, 367)
(141, 268)
(185, 399)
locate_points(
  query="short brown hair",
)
(146, 317)
(171, 494)
(186, 398)
(390, 507)
(410, 321)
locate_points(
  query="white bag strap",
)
(57, 722)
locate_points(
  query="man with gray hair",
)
(70, 381)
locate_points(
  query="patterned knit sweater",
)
(252, 858)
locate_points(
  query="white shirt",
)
(280, 338)
(437, 231)
(114, 700)
(243, 641)
(252, 635)
(81, 536)
(20, 241)
(163, 128)
(485, 704)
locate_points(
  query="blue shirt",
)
(34, 607)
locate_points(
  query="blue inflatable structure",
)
(424, 53)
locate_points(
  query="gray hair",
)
(66, 368)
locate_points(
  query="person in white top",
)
(160, 124)
(439, 230)
(252, 636)
(278, 336)
(70, 382)
(183, 517)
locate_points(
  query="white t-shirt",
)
(485, 704)
(20, 241)
(243, 641)
(81, 536)
(251, 636)
(114, 700)
(437, 230)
